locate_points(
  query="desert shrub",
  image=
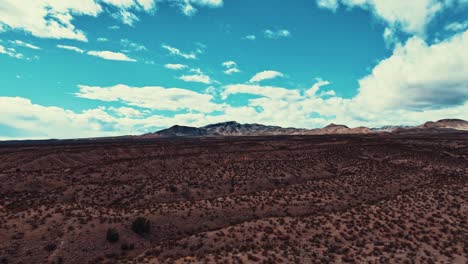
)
(50, 247)
(141, 226)
(112, 235)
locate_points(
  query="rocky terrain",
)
(373, 198)
(233, 128)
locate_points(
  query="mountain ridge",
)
(233, 128)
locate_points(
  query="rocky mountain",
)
(233, 128)
(390, 129)
(457, 124)
(338, 129)
(179, 131)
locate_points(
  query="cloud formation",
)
(151, 97)
(177, 52)
(265, 75)
(230, 67)
(409, 16)
(276, 34)
(54, 18)
(110, 55)
(72, 48)
(176, 66)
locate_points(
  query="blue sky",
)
(111, 67)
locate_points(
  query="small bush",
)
(141, 226)
(112, 235)
(50, 247)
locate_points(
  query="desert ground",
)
(279, 199)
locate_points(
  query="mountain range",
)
(233, 128)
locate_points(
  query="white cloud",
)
(11, 52)
(177, 52)
(54, 18)
(188, 8)
(126, 17)
(457, 26)
(110, 55)
(231, 67)
(281, 33)
(126, 43)
(267, 91)
(417, 83)
(72, 48)
(24, 44)
(126, 112)
(200, 78)
(38, 121)
(47, 18)
(314, 89)
(175, 66)
(102, 39)
(419, 76)
(123, 4)
(229, 64)
(232, 71)
(390, 37)
(250, 37)
(151, 97)
(265, 75)
(329, 4)
(409, 16)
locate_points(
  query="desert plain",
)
(278, 199)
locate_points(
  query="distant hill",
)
(447, 123)
(179, 131)
(233, 128)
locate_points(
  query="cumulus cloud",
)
(110, 55)
(314, 89)
(265, 75)
(151, 97)
(408, 16)
(54, 18)
(276, 34)
(47, 18)
(53, 122)
(419, 76)
(126, 112)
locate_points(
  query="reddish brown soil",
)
(295, 199)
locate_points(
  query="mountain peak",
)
(333, 125)
(223, 124)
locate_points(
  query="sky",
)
(95, 68)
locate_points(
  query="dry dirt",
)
(291, 199)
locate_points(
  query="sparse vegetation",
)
(331, 199)
(141, 226)
(112, 235)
